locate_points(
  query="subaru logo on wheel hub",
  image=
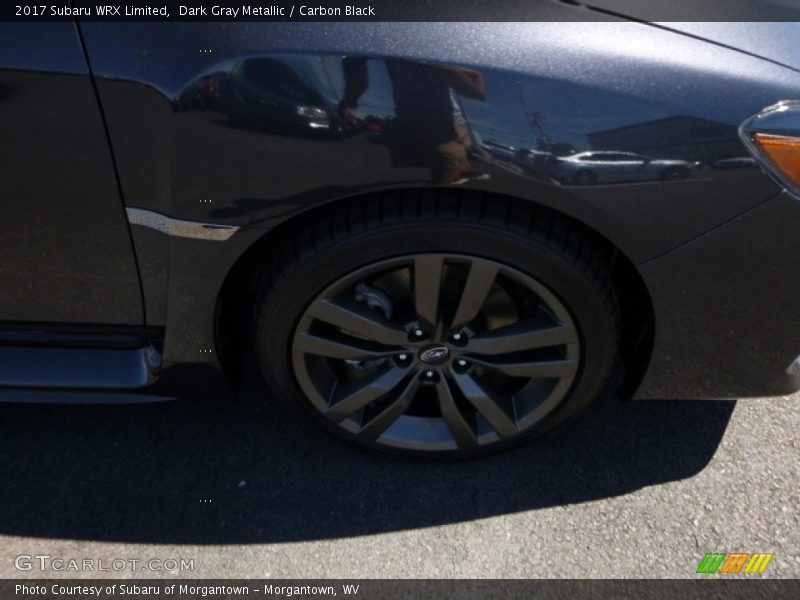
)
(434, 355)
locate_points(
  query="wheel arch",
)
(234, 306)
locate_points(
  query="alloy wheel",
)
(435, 352)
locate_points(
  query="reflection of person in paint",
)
(429, 129)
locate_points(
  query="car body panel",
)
(204, 140)
(775, 41)
(66, 254)
(727, 325)
(171, 157)
(182, 153)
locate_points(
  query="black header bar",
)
(400, 10)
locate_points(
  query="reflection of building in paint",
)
(681, 137)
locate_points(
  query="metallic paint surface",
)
(181, 140)
(65, 250)
(726, 302)
(202, 137)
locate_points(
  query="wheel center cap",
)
(434, 355)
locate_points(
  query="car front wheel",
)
(434, 327)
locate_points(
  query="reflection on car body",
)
(738, 162)
(288, 95)
(586, 168)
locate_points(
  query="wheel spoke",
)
(526, 335)
(353, 317)
(340, 347)
(427, 281)
(522, 368)
(463, 433)
(480, 279)
(382, 421)
(348, 398)
(497, 410)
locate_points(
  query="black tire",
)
(531, 247)
(584, 177)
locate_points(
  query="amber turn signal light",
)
(784, 152)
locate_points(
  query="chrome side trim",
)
(178, 228)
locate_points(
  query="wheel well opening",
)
(235, 305)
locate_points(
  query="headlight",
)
(773, 138)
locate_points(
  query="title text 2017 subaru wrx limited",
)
(430, 238)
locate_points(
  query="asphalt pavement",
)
(238, 488)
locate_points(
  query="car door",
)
(66, 255)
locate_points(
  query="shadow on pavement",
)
(173, 472)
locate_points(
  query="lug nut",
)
(461, 365)
(430, 376)
(459, 338)
(403, 359)
(417, 334)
